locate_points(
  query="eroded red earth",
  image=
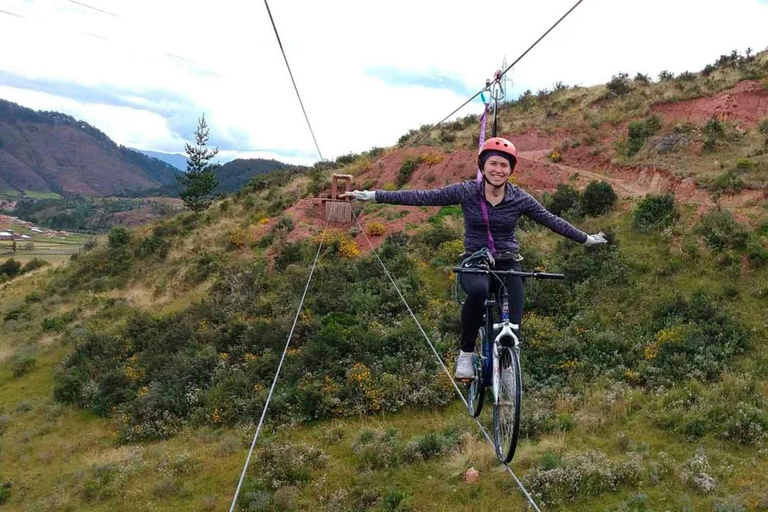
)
(747, 102)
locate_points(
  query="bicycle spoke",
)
(507, 407)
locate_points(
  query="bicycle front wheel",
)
(506, 408)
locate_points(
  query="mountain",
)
(49, 153)
(175, 159)
(233, 175)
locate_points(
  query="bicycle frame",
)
(490, 351)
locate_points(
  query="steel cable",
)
(445, 369)
(293, 81)
(504, 72)
(277, 373)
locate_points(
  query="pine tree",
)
(200, 178)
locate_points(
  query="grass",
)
(63, 458)
(41, 195)
(53, 250)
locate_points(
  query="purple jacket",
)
(502, 218)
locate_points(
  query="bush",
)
(237, 238)
(10, 268)
(598, 198)
(721, 231)
(763, 126)
(641, 78)
(5, 492)
(694, 337)
(565, 199)
(406, 170)
(665, 76)
(22, 362)
(34, 264)
(375, 228)
(119, 237)
(744, 165)
(639, 131)
(655, 213)
(714, 128)
(757, 253)
(575, 476)
(555, 156)
(733, 409)
(619, 84)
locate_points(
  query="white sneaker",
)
(464, 367)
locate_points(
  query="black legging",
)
(479, 288)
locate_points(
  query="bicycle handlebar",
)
(535, 275)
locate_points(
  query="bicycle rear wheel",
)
(506, 409)
(476, 388)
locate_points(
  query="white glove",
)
(595, 239)
(361, 195)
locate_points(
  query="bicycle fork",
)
(507, 331)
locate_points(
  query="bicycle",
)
(497, 365)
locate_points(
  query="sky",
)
(144, 71)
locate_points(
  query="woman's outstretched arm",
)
(451, 194)
(536, 211)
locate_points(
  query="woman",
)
(491, 209)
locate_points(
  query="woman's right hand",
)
(361, 195)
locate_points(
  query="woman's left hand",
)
(595, 239)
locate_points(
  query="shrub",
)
(90, 244)
(714, 128)
(619, 84)
(22, 362)
(744, 165)
(598, 198)
(575, 476)
(733, 409)
(119, 237)
(727, 183)
(757, 253)
(555, 156)
(34, 264)
(237, 238)
(448, 253)
(641, 78)
(565, 199)
(721, 231)
(665, 76)
(694, 338)
(763, 126)
(655, 212)
(5, 492)
(406, 170)
(432, 158)
(10, 268)
(639, 131)
(375, 228)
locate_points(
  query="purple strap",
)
(483, 207)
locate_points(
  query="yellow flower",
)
(567, 365)
(375, 228)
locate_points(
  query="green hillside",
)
(132, 378)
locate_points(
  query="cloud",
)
(367, 71)
(395, 77)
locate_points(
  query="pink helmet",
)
(500, 145)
